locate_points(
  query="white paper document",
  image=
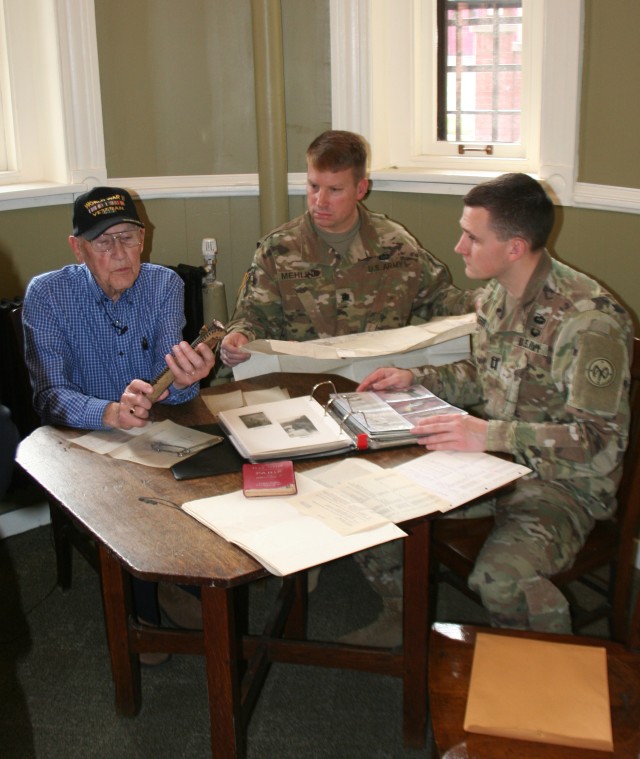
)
(440, 341)
(157, 444)
(377, 343)
(275, 533)
(348, 506)
(459, 477)
(238, 398)
(368, 501)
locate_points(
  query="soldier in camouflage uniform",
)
(548, 383)
(339, 269)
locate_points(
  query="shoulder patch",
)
(600, 372)
(600, 368)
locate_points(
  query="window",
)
(50, 119)
(384, 85)
(6, 132)
(479, 73)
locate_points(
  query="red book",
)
(268, 478)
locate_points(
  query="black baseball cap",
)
(101, 208)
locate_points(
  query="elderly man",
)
(97, 332)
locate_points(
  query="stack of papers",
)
(346, 507)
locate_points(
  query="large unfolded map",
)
(379, 343)
(440, 341)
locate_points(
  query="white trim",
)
(352, 58)
(214, 186)
(35, 195)
(22, 519)
(561, 77)
(52, 61)
(218, 185)
(350, 93)
(353, 93)
(606, 197)
(593, 196)
(81, 91)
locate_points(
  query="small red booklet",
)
(269, 478)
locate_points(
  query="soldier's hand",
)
(452, 432)
(387, 378)
(231, 351)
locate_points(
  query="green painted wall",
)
(610, 109)
(177, 85)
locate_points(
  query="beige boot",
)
(152, 658)
(384, 632)
(181, 607)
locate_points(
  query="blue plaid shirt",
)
(82, 349)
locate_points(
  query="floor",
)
(57, 695)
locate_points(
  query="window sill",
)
(409, 180)
(434, 181)
(36, 194)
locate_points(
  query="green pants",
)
(539, 528)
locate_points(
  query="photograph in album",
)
(291, 428)
(303, 427)
(387, 417)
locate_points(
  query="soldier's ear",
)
(362, 188)
(518, 246)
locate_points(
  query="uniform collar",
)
(509, 315)
(364, 244)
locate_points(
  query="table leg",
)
(296, 624)
(416, 634)
(125, 665)
(228, 730)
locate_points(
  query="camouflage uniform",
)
(551, 373)
(299, 288)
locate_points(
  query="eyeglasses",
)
(130, 238)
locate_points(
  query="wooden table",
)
(132, 513)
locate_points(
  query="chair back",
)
(628, 514)
(24, 415)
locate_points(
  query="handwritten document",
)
(157, 444)
(459, 477)
(368, 501)
(346, 506)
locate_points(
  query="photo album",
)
(303, 427)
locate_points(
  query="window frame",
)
(432, 130)
(352, 45)
(371, 42)
(57, 145)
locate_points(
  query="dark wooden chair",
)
(455, 544)
(24, 415)
(450, 659)
(66, 536)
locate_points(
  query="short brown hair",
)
(518, 206)
(337, 150)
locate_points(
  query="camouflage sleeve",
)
(258, 311)
(588, 436)
(456, 383)
(438, 296)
